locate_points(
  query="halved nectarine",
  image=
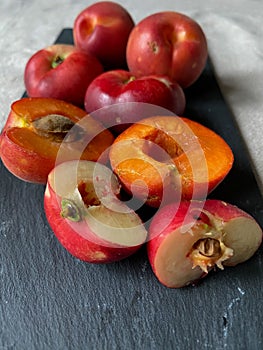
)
(187, 241)
(37, 128)
(86, 215)
(162, 159)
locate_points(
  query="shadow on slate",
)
(50, 300)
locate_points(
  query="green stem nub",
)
(69, 210)
(57, 61)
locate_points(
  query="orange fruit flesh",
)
(162, 150)
(21, 130)
(31, 141)
(217, 153)
(45, 147)
(31, 109)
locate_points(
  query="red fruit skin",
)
(166, 220)
(224, 210)
(120, 86)
(68, 81)
(103, 30)
(27, 165)
(168, 43)
(90, 249)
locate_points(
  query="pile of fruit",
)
(103, 129)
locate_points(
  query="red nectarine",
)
(120, 86)
(61, 71)
(168, 43)
(103, 29)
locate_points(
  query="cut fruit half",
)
(38, 129)
(185, 243)
(166, 158)
(86, 215)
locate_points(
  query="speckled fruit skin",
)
(168, 43)
(103, 30)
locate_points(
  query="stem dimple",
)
(127, 81)
(57, 61)
(153, 46)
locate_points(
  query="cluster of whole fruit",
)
(103, 129)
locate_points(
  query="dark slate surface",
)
(50, 300)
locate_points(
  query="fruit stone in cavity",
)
(39, 129)
(189, 240)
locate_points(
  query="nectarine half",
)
(38, 128)
(86, 215)
(189, 240)
(162, 159)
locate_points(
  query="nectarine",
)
(168, 43)
(166, 158)
(86, 215)
(121, 87)
(38, 128)
(189, 240)
(61, 71)
(102, 29)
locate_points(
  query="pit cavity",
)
(88, 194)
(161, 147)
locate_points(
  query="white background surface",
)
(233, 28)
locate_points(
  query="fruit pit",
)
(56, 127)
(208, 247)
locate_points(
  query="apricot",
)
(167, 158)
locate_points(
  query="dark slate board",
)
(50, 300)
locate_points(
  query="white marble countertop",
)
(233, 29)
